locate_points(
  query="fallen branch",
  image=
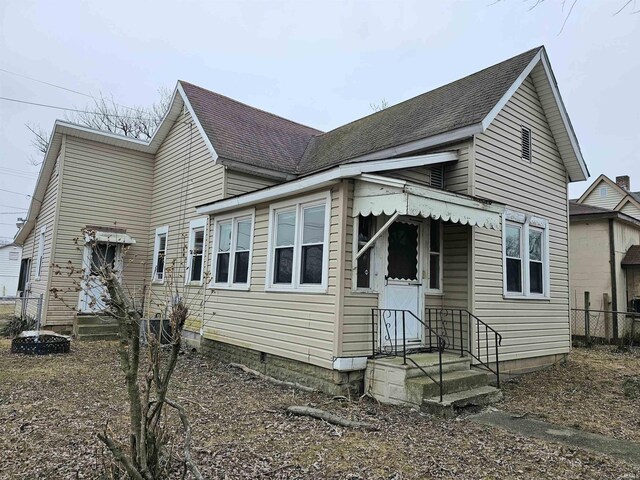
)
(188, 461)
(329, 417)
(246, 369)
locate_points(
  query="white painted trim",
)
(204, 136)
(299, 204)
(193, 225)
(164, 230)
(234, 219)
(322, 179)
(349, 364)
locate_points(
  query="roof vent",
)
(624, 181)
(437, 177)
(526, 143)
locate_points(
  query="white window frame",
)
(298, 204)
(428, 288)
(526, 223)
(164, 230)
(373, 260)
(233, 219)
(197, 224)
(40, 259)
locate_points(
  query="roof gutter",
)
(323, 179)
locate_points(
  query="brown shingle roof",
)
(632, 258)
(584, 209)
(254, 137)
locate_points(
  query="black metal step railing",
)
(389, 338)
(461, 331)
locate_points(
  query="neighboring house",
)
(605, 239)
(9, 269)
(300, 241)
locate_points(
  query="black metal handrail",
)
(450, 324)
(386, 344)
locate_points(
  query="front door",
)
(93, 292)
(402, 284)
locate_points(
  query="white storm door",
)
(93, 292)
(402, 286)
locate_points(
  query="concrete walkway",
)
(624, 449)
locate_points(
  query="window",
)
(603, 192)
(299, 241)
(195, 254)
(435, 255)
(526, 143)
(25, 275)
(526, 263)
(232, 251)
(160, 253)
(40, 259)
(364, 266)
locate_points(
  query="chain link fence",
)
(24, 307)
(604, 327)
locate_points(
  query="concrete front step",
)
(98, 336)
(453, 403)
(419, 388)
(94, 327)
(96, 320)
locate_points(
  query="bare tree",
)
(108, 115)
(376, 107)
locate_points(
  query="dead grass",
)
(52, 407)
(6, 310)
(585, 393)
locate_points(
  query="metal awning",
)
(379, 195)
(112, 237)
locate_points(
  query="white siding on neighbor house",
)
(239, 182)
(610, 200)
(9, 270)
(295, 325)
(529, 327)
(589, 263)
(185, 176)
(102, 186)
(631, 209)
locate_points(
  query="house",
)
(441, 221)
(9, 269)
(605, 239)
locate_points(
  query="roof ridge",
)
(250, 106)
(432, 90)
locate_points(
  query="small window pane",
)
(198, 242)
(364, 270)
(162, 242)
(513, 241)
(535, 277)
(514, 275)
(224, 242)
(243, 241)
(402, 260)
(365, 231)
(313, 225)
(286, 224)
(434, 235)
(241, 267)
(160, 266)
(535, 245)
(283, 265)
(434, 272)
(222, 268)
(311, 264)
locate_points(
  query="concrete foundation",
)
(328, 381)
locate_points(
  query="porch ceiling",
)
(376, 195)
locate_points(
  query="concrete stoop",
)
(96, 327)
(389, 381)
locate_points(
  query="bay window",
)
(232, 251)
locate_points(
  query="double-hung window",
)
(526, 256)
(160, 254)
(299, 240)
(232, 252)
(195, 253)
(435, 256)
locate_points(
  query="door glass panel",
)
(102, 254)
(403, 251)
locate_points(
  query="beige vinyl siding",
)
(185, 176)
(529, 327)
(631, 209)
(610, 201)
(103, 186)
(458, 175)
(419, 175)
(45, 218)
(295, 325)
(455, 271)
(589, 263)
(239, 182)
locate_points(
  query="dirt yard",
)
(52, 407)
(585, 393)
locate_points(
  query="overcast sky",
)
(319, 63)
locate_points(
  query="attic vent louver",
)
(437, 177)
(526, 143)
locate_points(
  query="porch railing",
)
(389, 338)
(461, 331)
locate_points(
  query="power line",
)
(13, 213)
(17, 193)
(73, 109)
(60, 87)
(11, 206)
